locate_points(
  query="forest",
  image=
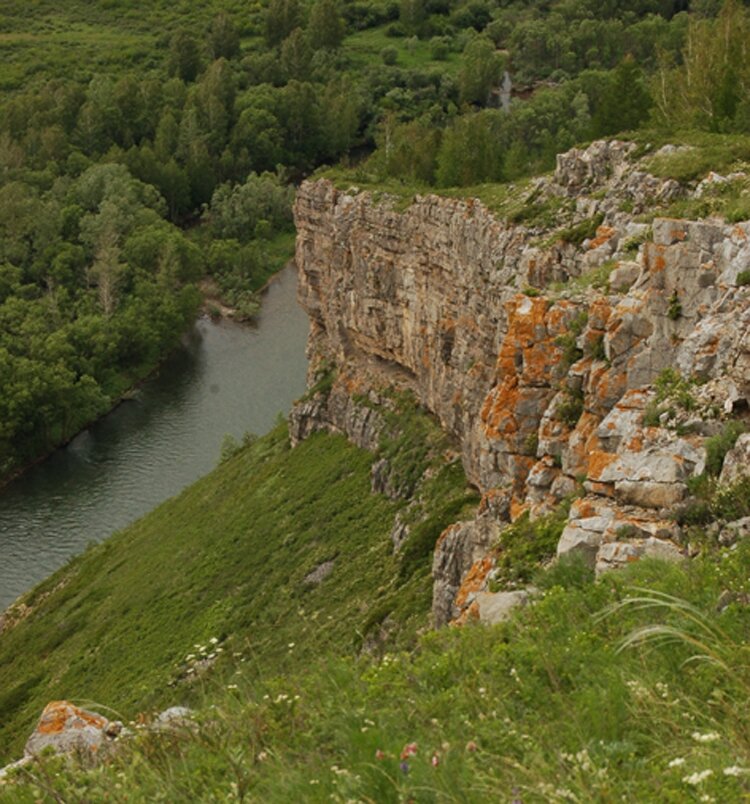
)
(145, 149)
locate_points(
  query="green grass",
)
(225, 559)
(597, 692)
(363, 49)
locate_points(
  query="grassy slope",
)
(225, 559)
(545, 708)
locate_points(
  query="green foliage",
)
(585, 230)
(743, 278)
(569, 695)
(717, 446)
(710, 501)
(389, 55)
(471, 150)
(571, 571)
(570, 408)
(326, 27)
(227, 559)
(481, 71)
(674, 310)
(571, 352)
(526, 545)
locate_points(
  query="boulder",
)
(64, 728)
(494, 607)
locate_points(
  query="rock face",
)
(545, 388)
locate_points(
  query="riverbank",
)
(224, 378)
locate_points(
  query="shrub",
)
(743, 278)
(389, 55)
(717, 446)
(571, 571)
(675, 308)
(570, 409)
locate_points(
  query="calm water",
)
(225, 378)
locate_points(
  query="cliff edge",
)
(591, 359)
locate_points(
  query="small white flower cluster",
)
(203, 655)
(735, 770)
(282, 697)
(676, 762)
(698, 777)
(708, 737)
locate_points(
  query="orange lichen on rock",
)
(60, 715)
(598, 462)
(603, 235)
(474, 580)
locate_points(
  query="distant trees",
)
(326, 26)
(711, 89)
(481, 71)
(282, 17)
(184, 56)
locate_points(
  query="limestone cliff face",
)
(541, 388)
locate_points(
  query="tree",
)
(296, 55)
(282, 17)
(223, 39)
(184, 56)
(626, 101)
(481, 71)
(471, 151)
(713, 82)
(326, 27)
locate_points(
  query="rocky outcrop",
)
(545, 381)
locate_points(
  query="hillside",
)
(600, 685)
(498, 551)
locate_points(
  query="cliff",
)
(560, 362)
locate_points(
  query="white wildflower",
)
(708, 737)
(676, 762)
(698, 777)
(734, 770)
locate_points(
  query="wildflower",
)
(734, 770)
(262, 756)
(290, 645)
(410, 750)
(435, 760)
(708, 737)
(471, 746)
(676, 762)
(380, 755)
(698, 777)
(314, 781)
(232, 687)
(404, 767)
(214, 641)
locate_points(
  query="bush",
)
(717, 446)
(570, 571)
(743, 278)
(389, 55)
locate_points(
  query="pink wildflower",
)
(435, 760)
(410, 750)
(379, 754)
(471, 746)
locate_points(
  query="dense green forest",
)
(146, 146)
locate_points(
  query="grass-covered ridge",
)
(227, 559)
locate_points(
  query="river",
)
(225, 378)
